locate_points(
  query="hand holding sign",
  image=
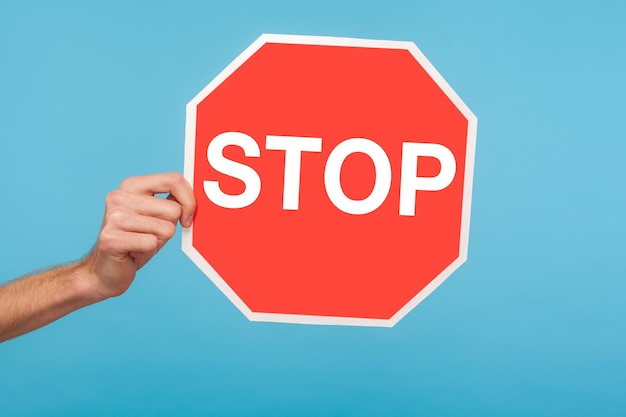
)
(136, 225)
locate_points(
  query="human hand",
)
(136, 225)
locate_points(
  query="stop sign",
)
(333, 180)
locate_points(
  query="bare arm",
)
(136, 225)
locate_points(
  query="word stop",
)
(294, 146)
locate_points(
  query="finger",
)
(172, 183)
(186, 217)
(127, 222)
(138, 248)
(144, 205)
(120, 243)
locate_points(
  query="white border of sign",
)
(190, 136)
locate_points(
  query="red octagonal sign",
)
(333, 178)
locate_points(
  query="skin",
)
(136, 225)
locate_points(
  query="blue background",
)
(533, 324)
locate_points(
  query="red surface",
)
(319, 260)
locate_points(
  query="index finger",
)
(173, 183)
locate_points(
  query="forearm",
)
(34, 301)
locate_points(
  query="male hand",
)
(136, 225)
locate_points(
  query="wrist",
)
(85, 283)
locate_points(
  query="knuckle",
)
(152, 243)
(107, 240)
(127, 183)
(170, 230)
(165, 229)
(116, 218)
(175, 178)
(114, 198)
(177, 211)
(177, 181)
